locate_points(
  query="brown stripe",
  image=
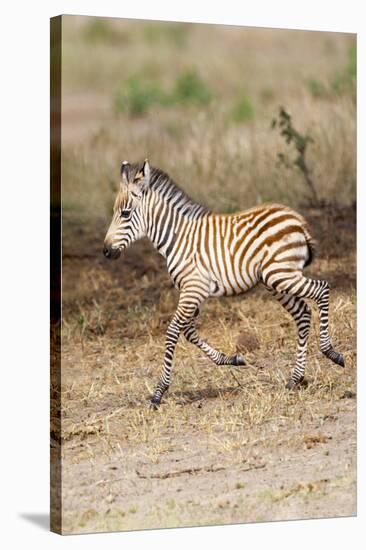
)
(293, 259)
(268, 225)
(284, 248)
(282, 233)
(258, 220)
(272, 239)
(287, 247)
(263, 213)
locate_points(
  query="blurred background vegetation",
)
(199, 101)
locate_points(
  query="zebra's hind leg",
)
(295, 284)
(216, 356)
(301, 314)
(321, 297)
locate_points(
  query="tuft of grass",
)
(243, 110)
(267, 95)
(317, 89)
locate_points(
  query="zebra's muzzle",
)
(111, 253)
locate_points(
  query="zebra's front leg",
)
(216, 356)
(172, 336)
(189, 302)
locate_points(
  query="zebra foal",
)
(211, 254)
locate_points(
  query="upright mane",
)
(162, 183)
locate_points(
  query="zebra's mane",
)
(163, 184)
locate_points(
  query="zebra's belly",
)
(224, 279)
(233, 287)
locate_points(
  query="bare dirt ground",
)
(226, 446)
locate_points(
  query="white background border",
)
(24, 305)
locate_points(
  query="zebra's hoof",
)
(239, 360)
(292, 384)
(334, 356)
(338, 359)
(154, 404)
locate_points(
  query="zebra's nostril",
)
(106, 252)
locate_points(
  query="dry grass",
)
(110, 367)
(226, 446)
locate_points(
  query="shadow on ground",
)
(40, 520)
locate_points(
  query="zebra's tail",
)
(311, 246)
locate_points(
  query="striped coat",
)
(212, 254)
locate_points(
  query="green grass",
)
(317, 89)
(243, 110)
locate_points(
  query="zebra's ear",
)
(146, 173)
(125, 168)
(146, 169)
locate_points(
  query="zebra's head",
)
(127, 223)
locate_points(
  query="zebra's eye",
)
(125, 213)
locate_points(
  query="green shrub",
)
(300, 143)
(243, 110)
(138, 97)
(191, 90)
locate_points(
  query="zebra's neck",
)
(166, 216)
